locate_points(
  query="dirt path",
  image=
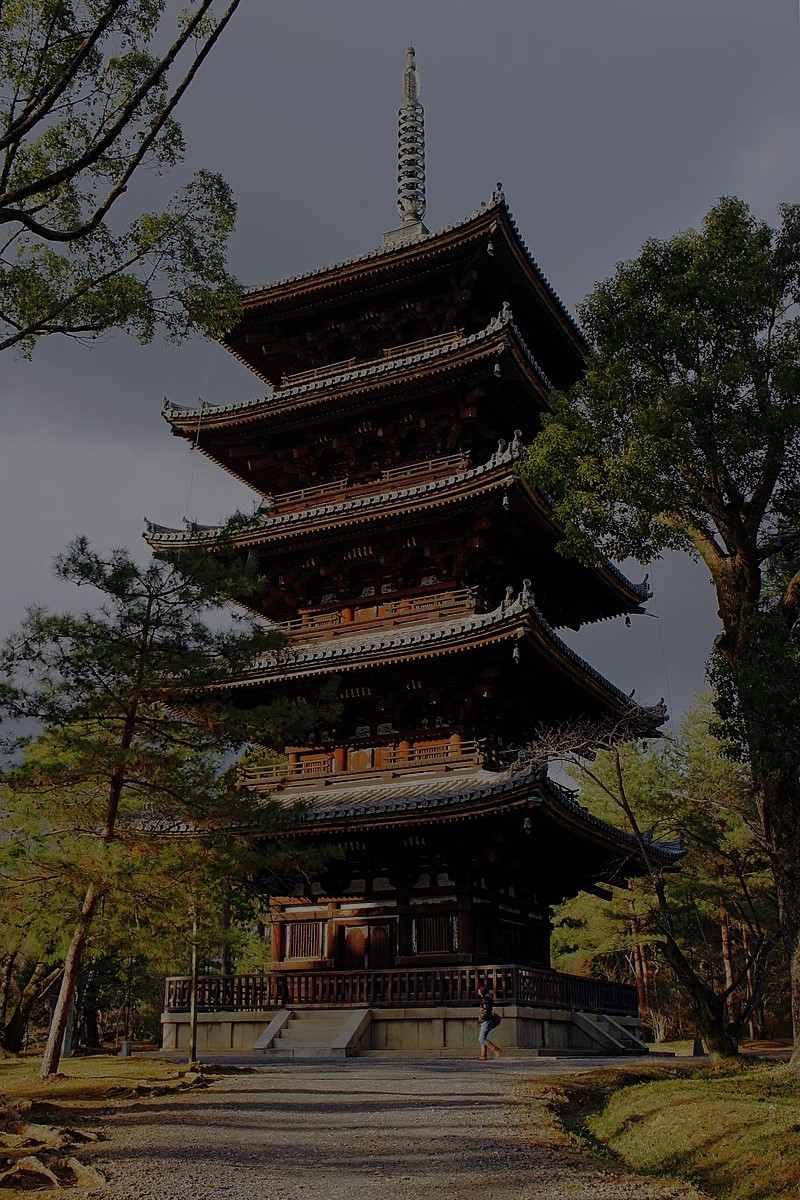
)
(359, 1130)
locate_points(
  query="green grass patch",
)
(95, 1079)
(732, 1131)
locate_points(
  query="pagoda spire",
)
(411, 148)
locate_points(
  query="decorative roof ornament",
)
(411, 148)
(410, 161)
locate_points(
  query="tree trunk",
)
(5, 990)
(63, 1009)
(779, 800)
(753, 984)
(640, 968)
(727, 959)
(91, 900)
(713, 1028)
(41, 979)
(90, 1029)
(708, 1006)
(225, 953)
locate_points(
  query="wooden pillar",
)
(465, 928)
(404, 944)
(278, 941)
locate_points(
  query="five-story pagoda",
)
(408, 558)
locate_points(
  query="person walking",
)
(487, 1021)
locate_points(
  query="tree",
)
(684, 434)
(138, 722)
(705, 933)
(89, 90)
(691, 792)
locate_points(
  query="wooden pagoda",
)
(409, 558)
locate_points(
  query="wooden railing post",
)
(410, 986)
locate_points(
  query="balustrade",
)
(400, 988)
(420, 346)
(359, 761)
(378, 613)
(362, 484)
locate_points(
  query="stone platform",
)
(402, 1032)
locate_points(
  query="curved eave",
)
(414, 502)
(519, 790)
(366, 272)
(339, 389)
(534, 275)
(364, 510)
(290, 294)
(520, 622)
(633, 595)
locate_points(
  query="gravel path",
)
(358, 1130)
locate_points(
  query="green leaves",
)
(125, 808)
(85, 101)
(716, 917)
(685, 430)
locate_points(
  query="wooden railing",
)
(392, 758)
(421, 346)
(379, 612)
(411, 988)
(368, 481)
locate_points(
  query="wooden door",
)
(355, 947)
(360, 760)
(380, 950)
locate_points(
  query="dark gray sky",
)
(607, 120)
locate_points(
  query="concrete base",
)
(416, 1032)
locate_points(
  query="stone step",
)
(310, 1029)
(311, 1037)
(306, 1051)
(303, 1039)
(326, 1025)
(310, 1033)
(317, 1014)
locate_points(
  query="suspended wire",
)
(663, 655)
(196, 442)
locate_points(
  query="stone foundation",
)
(406, 1032)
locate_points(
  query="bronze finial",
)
(411, 148)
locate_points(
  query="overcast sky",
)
(607, 121)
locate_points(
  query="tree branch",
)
(91, 156)
(37, 109)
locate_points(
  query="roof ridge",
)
(398, 637)
(264, 521)
(369, 368)
(509, 781)
(497, 202)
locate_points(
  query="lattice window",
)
(434, 934)
(304, 939)
(514, 937)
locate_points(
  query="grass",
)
(83, 1088)
(94, 1079)
(732, 1131)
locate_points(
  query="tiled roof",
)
(483, 789)
(348, 650)
(263, 523)
(177, 413)
(374, 502)
(497, 204)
